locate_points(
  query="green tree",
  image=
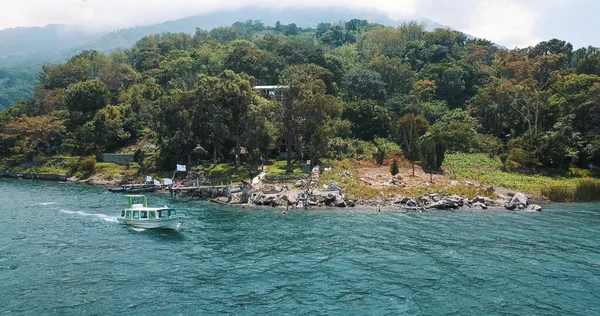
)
(432, 150)
(369, 120)
(410, 128)
(382, 148)
(235, 93)
(87, 97)
(363, 84)
(305, 109)
(34, 135)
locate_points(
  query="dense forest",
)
(350, 90)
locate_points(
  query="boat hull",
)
(170, 223)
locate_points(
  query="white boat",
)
(139, 215)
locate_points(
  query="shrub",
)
(343, 148)
(587, 190)
(394, 168)
(87, 166)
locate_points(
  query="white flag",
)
(168, 181)
(181, 168)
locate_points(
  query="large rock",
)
(483, 199)
(406, 201)
(519, 199)
(480, 205)
(441, 205)
(451, 203)
(460, 200)
(339, 202)
(330, 199)
(510, 206)
(425, 200)
(436, 197)
(533, 208)
(292, 200)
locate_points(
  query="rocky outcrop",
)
(533, 208)
(518, 201)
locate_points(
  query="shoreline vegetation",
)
(470, 181)
(394, 116)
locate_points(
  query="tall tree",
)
(432, 150)
(410, 128)
(236, 94)
(34, 135)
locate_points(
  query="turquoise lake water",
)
(63, 253)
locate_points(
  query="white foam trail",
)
(138, 229)
(46, 203)
(107, 218)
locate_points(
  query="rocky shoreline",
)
(284, 198)
(281, 196)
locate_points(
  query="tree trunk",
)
(215, 153)
(288, 149)
(237, 150)
(431, 177)
(413, 167)
(189, 160)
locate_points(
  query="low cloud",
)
(507, 22)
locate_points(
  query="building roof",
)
(270, 87)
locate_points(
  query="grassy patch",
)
(110, 171)
(482, 168)
(585, 190)
(226, 173)
(280, 168)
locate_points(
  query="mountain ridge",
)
(57, 49)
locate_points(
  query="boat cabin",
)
(136, 201)
(148, 214)
(138, 209)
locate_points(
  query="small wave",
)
(47, 203)
(107, 218)
(138, 229)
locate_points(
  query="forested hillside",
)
(31, 47)
(351, 90)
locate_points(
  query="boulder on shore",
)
(480, 205)
(518, 200)
(533, 208)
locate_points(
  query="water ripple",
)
(227, 261)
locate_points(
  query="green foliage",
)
(190, 97)
(586, 190)
(382, 148)
(432, 150)
(344, 148)
(86, 167)
(369, 120)
(87, 97)
(410, 128)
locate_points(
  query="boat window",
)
(128, 214)
(136, 214)
(144, 214)
(160, 214)
(122, 213)
(152, 215)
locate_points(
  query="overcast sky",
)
(507, 22)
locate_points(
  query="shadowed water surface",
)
(62, 252)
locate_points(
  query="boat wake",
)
(138, 229)
(107, 218)
(46, 203)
